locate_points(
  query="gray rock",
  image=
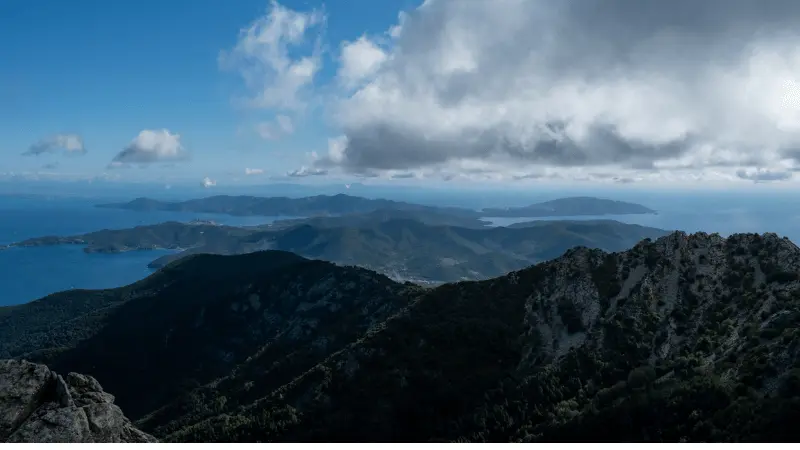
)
(38, 405)
(87, 389)
(62, 392)
(22, 388)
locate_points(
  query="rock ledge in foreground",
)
(38, 405)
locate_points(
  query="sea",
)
(27, 274)
(30, 273)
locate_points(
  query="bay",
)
(27, 274)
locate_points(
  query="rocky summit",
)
(690, 337)
(38, 405)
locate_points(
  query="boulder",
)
(38, 405)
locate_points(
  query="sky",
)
(503, 92)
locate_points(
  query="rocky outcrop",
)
(38, 405)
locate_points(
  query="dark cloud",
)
(792, 153)
(403, 175)
(611, 177)
(384, 148)
(762, 175)
(529, 176)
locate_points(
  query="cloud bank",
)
(68, 144)
(642, 88)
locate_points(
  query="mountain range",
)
(319, 205)
(323, 205)
(682, 338)
(428, 247)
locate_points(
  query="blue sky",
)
(106, 70)
(523, 92)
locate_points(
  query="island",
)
(318, 205)
(403, 248)
(570, 206)
(341, 204)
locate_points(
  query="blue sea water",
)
(27, 274)
(720, 213)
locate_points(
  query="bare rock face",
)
(38, 405)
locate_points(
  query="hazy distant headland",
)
(570, 206)
(326, 205)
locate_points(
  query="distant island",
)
(570, 206)
(400, 246)
(334, 205)
(406, 241)
(319, 205)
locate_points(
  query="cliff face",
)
(38, 405)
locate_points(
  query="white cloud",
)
(151, 146)
(69, 144)
(285, 124)
(249, 171)
(336, 149)
(397, 29)
(306, 172)
(645, 90)
(267, 131)
(359, 59)
(273, 57)
(208, 182)
(281, 126)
